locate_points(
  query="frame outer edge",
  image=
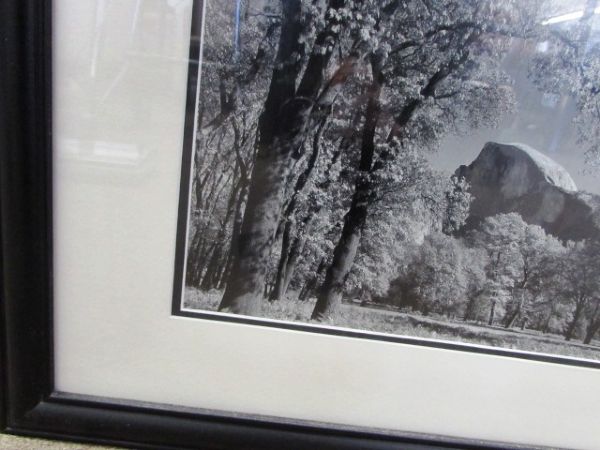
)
(25, 206)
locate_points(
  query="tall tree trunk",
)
(309, 287)
(492, 312)
(524, 323)
(295, 252)
(469, 310)
(569, 333)
(246, 281)
(235, 234)
(278, 289)
(287, 264)
(284, 268)
(593, 325)
(212, 270)
(202, 246)
(330, 293)
(281, 131)
(546, 326)
(291, 250)
(194, 268)
(470, 307)
(280, 121)
(215, 265)
(590, 332)
(512, 316)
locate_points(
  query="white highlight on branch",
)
(563, 18)
(568, 17)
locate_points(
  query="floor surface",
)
(9, 442)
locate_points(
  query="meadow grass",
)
(406, 324)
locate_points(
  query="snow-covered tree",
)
(578, 274)
(501, 236)
(442, 276)
(534, 248)
(430, 70)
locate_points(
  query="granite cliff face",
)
(516, 178)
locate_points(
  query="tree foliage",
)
(310, 177)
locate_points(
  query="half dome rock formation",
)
(508, 178)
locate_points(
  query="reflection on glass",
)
(128, 46)
(98, 152)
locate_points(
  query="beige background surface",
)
(21, 443)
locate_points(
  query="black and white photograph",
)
(412, 168)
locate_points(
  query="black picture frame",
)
(29, 403)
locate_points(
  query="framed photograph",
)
(301, 223)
